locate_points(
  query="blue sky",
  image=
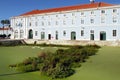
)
(9, 8)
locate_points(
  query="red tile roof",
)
(4, 28)
(83, 6)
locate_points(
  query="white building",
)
(6, 30)
(94, 21)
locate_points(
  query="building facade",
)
(97, 21)
(5, 31)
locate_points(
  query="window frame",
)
(114, 33)
(82, 32)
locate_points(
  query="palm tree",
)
(7, 22)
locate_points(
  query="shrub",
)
(89, 51)
(27, 61)
(12, 65)
(42, 55)
(60, 51)
(61, 71)
(60, 64)
(75, 65)
(25, 68)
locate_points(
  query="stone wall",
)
(8, 42)
(74, 42)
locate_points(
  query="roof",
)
(82, 6)
(4, 28)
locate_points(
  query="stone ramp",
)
(8, 42)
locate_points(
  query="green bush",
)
(12, 65)
(25, 68)
(60, 64)
(75, 65)
(89, 51)
(60, 71)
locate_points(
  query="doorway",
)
(42, 35)
(49, 36)
(102, 35)
(30, 34)
(73, 35)
(91, 36)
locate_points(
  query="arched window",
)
(16, 34)
(21, 33)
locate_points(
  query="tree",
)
(5, 22)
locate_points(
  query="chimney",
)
(92, 1)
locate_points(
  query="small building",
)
(97, 21)
(5, 31)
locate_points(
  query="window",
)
(42, 17)
(114, 19)
(72, 21)
(91, 20)
(82, 13)
(92, 12)
(64, 33)
(92, 31)
(73, 14)
(102, 19)
(103, 11)
(56, 15)
(42, 23)
(64, 15)
(16, 34)
(56, 36)
(64, 23)
(21, 33)
(29, 18)
(114, 33)
(91, 34)
(82, 21)
(16, 24)
(20, 25)
(82, 32)
(114, 10)
(36, 18)
(36, 24)
(56, 22)
(49, 23)
(36, 33)
(30, 24)
(42, 35)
